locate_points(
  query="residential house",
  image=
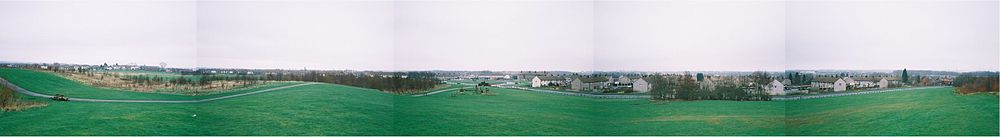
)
(540, 81)
(828, 83)
(588, 83)
(641, 85)
(883, 83)
(775, 88)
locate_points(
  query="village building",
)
(588, 83)
(863, 82)
(641, 85)
(883, 83)
(775, 88)
(829, 83)
(540, 81)
(624, 80)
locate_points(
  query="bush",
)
(10, 101)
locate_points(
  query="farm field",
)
(330, 109)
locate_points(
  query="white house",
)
(826, 83)
(641, 85)
(849, 80)
(883, 83)
(540, 81)
(839, 85)
(775, 88)
(624, 80)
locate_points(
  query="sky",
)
(570, 35)
(690, 35)
(960, 35)
(495, 35)
(97, 32)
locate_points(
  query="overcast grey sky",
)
(495, 35)
(960, 35)
(95, 32)
(690, 35)
(317, 34)
(575, 35)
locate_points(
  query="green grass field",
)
(925, 112)
(49, 83)
(327, 109)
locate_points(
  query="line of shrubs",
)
(974, 82)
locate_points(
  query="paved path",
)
(799, 97)
(435, 92)
(26, 92)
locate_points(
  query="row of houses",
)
(775, 87)
(845, 83)
(593, 83)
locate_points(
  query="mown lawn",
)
(305, 110)
(923, 112)
(516, 112)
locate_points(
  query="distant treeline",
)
(396, 82)
(799, 79)
(193, 80)
(684, 88)
(973, 82)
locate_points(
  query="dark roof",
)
(825, 79)
(550, 78)
(642, 78)
(874, 79)
(593, 79)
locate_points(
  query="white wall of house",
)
(536, 82)
(641, 86)
(840, 85)
(776, 88)
(883, 83)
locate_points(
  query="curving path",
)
(26, 92)
(435, 92)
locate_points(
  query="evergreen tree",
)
(905, 77)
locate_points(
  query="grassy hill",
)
(49, 83)
(925, 112)
(328, 109)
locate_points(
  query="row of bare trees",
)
(974, 82)
(682, 87)
(398, 82)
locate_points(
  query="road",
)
(30, 93)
